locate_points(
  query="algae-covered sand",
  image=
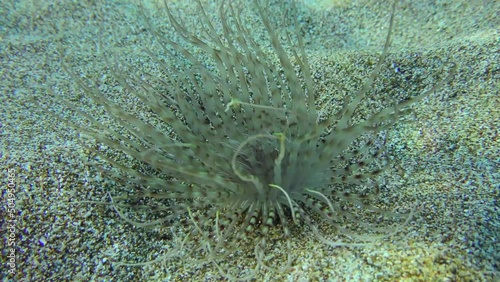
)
(446, 161)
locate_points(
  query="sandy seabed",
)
(447, 160)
